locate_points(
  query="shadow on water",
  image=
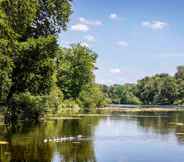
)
(164, 124)
(25, 141)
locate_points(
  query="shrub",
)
(69, 107)
(55, 100)
(179, 102)
(92, 97)
(130, 99)
(27, 106)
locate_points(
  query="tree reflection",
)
(163, 124)
(25, 141)
(83, 151)
(24, 144)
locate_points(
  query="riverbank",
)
(108, 111)
(111, 110)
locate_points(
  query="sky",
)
(133, 38)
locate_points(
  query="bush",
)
(55, 100)
(69, 107)
(27, 106)
(130, 99)
(179, 102)
(92, 97)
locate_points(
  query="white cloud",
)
(90, 22)
(84, 44)
(84, 25)
(155, 25)
(113, 16)
(80, 27)
(122, 44)
(115, 70)
(90, 38)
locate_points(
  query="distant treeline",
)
(160, 89)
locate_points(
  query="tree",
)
(92, 97)
(159, 89)
(167, 90)
(6, 61)
(34, 18)
(29, 30)
(115, 93)
(146, 90)
(180, 72)
(75, 70)
(180, 82)
(123, 94)
(128, 95)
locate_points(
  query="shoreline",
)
(108, 111)
(153, 109)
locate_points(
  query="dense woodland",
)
(160, 89)
(39, 76)
(36, 74)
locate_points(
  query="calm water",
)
(119, 138)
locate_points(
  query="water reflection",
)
(110, 139)
(164, 124)
(25, 142)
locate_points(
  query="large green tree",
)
(159, 89)
(28, 44)
(76, 67)
(7, 47)
(180, 82)
(123, 94)
(115, 93)
(128, 95)
(91, 97)
(180, 72)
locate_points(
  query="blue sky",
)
(132, 38)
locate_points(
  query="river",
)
(140, 137)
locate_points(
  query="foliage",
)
(180, 82)
(180, 73)
(123, 94)
(6, 68)
(34, 18)
(55, 99)
(128, 95)
(75, 70)
(68, 107)
(159, 89)
(115, 92)
(92, 97)
(27, 106)
(179, 102)
(6, 60)
(167, 91)
(51, 17)
(28, 46)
